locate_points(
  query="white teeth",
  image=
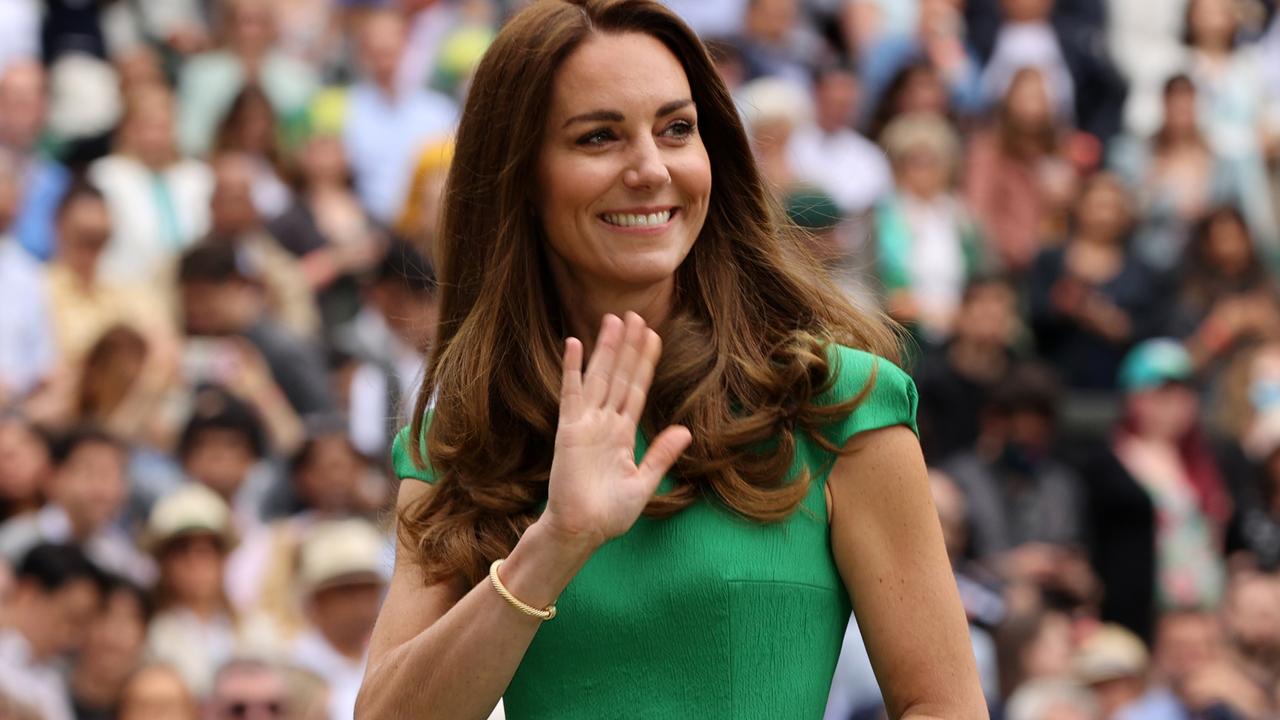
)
(632, 220)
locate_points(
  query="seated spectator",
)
(222, 299)
(956, 379)
(830, 154)
(1025, 505)
(776, 42)
(28, 350)
(156, 692)
(1226, 299)
(247, 54)
(125, 381)
(327, 229)
(111, 652)
(86, 495)
(159, 200)
(1027, 39)
(1091, 298)
(390, 340)
(190, 532)
(1188, 644)
(772, 109)
(917, 89)
(223, 447)
(23, 112)
(342, 573)
(1114, 664)
(1158, 506)
(54, 602)
(1052, 699)
(386, 125)
(1176, 177)
(237, 222)
(1251, 622)
(927, 246)
(1017, 175)
(1035, 646)
(83, 304)
(26, 464)
(250, 128)
(248, 688)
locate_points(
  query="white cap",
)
(191, 508)
(338, 552)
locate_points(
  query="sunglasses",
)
(240, 709)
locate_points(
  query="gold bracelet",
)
(525, 608)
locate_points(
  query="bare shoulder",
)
(411, 605)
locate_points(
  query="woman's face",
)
(1103, 209)
(623, 175)
(24, 462)
(1180, 110)
(192, 567)
(923, 92)
(1028, 100)
(1228, 247)
(324, 160)
(1213, 22)
(1167, 412)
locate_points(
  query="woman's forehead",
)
(623, 72)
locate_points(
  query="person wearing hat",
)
(1157, 498)
(342, 572)
(195, 630)
(1113, 663)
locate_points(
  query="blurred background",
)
(216, 299)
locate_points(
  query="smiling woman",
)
(694, 509)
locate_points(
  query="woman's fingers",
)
(663, 453)
(603, 358)
(629, 355)
(650, 351)
(571, 380)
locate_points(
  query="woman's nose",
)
(648, 168)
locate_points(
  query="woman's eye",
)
(596, 137)
(679, 129)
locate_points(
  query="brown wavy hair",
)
(745, 344)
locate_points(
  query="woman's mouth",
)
(639, 220)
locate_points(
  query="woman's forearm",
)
(459, 666)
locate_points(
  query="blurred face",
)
(924, 93)
(64, 616)
(923, 174)
(324, 160)
(988, 316)
(952, 512)
(837, 100)
(156, 693)
(1026, 10)
(148, 132)
(1185, 644)
(257, 127)
(249, 695)
(1228, 246)
(91, 486)
(1180, 110)
(1049, 655)
(24, 462)
(771, 19)
(327, 481)
(113, 644)
(1212, 22)
(191, 566)
(1253, 616)
(232, 209)
(382, 42)
(1103, 209)
(252, 25)
(625, 180)
(1167, 412)
(83, 231)
(345, 614)
(22, 105)
(1028, 101)
(220, 458)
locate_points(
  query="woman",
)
(250, 127)
(1018, 178)
(585, 120)
(1091, 298)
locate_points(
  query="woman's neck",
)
(586, 301)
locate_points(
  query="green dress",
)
(705, 614)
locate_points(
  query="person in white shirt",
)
(830, 154)
(28, 353)
(56, 596)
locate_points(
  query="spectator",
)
(385, 125)
(111, 652)
(237, 222)
(55, 600)
(25, 466)
(917, 89)
(1188, 644)
(86, 495)
(190, 533)
(23, 112)
(830, 154)
(156, 692)
(342, 574)
(250, 128)
(1158, 505)
(1052, 699)
(222, 302)
(249, 689)
(83, 305)
(1018, 176)
(1176, 176)
(159, 200)
(772, 109)
(1034, 646)
(1091, 298)
(125, 386)
(223, 447)
(927, 246)
(1113, 663)
(955, 380)
(28, 351)
(247, 54)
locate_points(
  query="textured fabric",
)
(706, 614)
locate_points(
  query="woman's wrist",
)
(543, 562)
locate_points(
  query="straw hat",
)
(1111, 653)
(192, 508)
(341, 552)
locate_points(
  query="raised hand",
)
(596, 490)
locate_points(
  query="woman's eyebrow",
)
(615, 116)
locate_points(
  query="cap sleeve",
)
(892, 399)
(402, 460)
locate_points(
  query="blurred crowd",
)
(216, 298)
